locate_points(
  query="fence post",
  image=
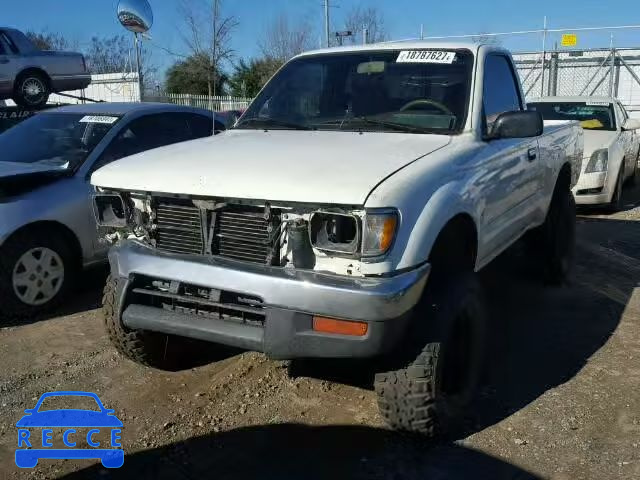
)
(612, 72)
(553, 75)
(616, 80)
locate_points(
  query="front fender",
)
(445, 204)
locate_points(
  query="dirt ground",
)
(562, 400)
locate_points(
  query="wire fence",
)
(217, 103)
(603, 72)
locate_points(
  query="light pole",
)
(137, 17)
(326, 22)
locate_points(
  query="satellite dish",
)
(135, 15)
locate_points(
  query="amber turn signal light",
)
(339, 327)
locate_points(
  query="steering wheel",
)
(425, 101)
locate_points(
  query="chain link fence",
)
(597, 72)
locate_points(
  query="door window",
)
(146, 133)
(501, 93)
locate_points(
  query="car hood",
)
(596, 139)
(296, 166)
(69, 418)
(19, 178)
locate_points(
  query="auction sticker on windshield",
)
(98, 119)
(426, 56)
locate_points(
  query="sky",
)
(79, 20)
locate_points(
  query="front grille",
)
(195, 300)
(243, 236)
(179, 228)
(240, 233)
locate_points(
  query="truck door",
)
(513, 167)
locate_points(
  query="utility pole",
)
(215, 44)
(139, 66)
(326, 22)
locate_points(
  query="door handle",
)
(4, 60)
(532, 154)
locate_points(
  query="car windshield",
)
(59, 140)
(64, 402)
(415, 91)
(591, 115)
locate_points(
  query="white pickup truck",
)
(345, 216)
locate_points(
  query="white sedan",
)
(611, 145)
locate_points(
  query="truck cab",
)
(345, 215)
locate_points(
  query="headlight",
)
(335, 232)
(379, 232)
(598, 161)
(109, 210)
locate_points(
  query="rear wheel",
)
(635, 176)
(432, 392)
(31, 90)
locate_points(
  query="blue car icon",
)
(70, 419)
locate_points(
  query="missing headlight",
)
(335, 232)
(110, 210)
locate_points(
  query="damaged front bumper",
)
(278, 320)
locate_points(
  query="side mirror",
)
(631, 124)
(519, 124)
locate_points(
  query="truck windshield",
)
(59, 140)
(591, 116)
(415, 91)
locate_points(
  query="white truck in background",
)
(346, 215)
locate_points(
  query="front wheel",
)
(36, 271)
(617, 202)
(432, 392)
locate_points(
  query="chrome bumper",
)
(367, 299)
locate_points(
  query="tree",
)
(282, 41)
(249, 78)
(46, 40)
(117, 55)
(208, 38)
(192, 74)
(110, 54)
(369, 17)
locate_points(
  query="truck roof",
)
(406, 45)
(573, 98)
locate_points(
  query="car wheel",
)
(151, 349)
(32, 90)
(431, 394)
(37, 269)
(635, 176)
(617, 200)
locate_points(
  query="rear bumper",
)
(290, 299)
(65, 83)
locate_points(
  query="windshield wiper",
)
(382, 123)
(274, 122)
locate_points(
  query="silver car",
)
(28, 75)
(47, 227)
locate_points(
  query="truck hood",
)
(597, 139)
(295, 166)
